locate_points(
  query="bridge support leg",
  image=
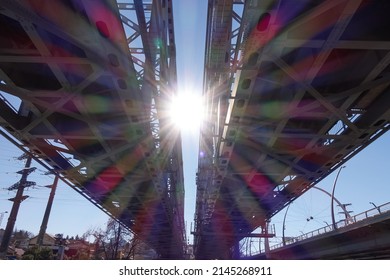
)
(266, 240)
(236, 251)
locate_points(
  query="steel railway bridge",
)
(293, 89)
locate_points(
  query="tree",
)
(114, 242)
(20, 238)
(20, 235)
(35, 253)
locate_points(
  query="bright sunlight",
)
(186, 111)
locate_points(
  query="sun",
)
(186, 111)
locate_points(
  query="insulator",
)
(27, 171)
(22, 157)
(24, 197)
(14, 186)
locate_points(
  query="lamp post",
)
(331, 203)
(373, 204)
(284, 225)
(326, 223)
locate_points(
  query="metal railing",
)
(343, 223)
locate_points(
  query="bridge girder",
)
(293, 91)
(84, 88)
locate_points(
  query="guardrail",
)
(384, 208)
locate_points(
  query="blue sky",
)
(190, 30)
(363, 180)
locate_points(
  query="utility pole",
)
(15, 209)
(47, 213)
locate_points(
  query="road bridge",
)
(84, 86)
(363, 236)
(293, 90)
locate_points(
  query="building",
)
(49, 241)
(79, 250)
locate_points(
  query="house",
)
(17, 245)
(58, 246)
(79, 250)
(48, 241)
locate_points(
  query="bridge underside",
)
(294, 89)
(85, 102)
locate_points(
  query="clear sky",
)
(190, 32)
(363, 180)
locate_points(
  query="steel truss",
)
(293, 92)
(84, 88)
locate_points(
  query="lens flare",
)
(186, 111)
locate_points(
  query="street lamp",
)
(326, 223)
(284, 225)
(331, 203)
(377, 208)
